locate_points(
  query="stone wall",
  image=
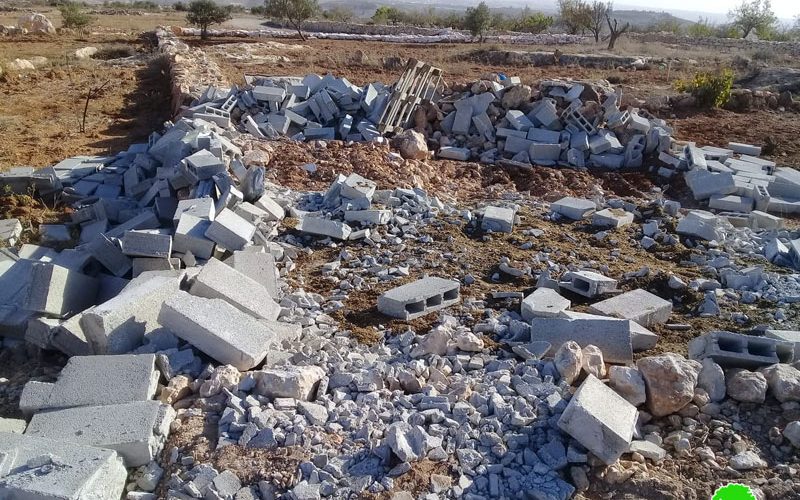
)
(713, 43)
(191, 71)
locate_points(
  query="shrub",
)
(73, 16)
(710, 89)
(179, 6)
(116, 51)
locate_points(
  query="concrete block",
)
(146, 244)
(498, 219)
(454, 153)
(58, 291)
(271, 207)
(612, 217)
(35, 468)
(544, 136)
(745, 149)
(190, 237)
(642, 339)
(145, 264)
(269, 94)
(518, 120)
(758, 220)
(516, 145)
(611, 335)
(573, 208)
(695, 157)
(637, 305)
(587, 283)
(371, 217)
(735, 350)
(259, 266)
(202, 208)
(544, 152)
(419, 298)
(230, 231)
(731, 203)
(324, 227)
(54, 233)
(118, 325)
(218, 329)
(510, 132)
(700, 224)
(322, 133)
(704, 184)
(108, 253)
(484, 125)
(40, 333)
(217, 280)
(205, 165)
(37, 252)
(145, 220)
(250, 212)
(600, 419)
(543, 303)
(355, 187)
(136, 431)
(94, 381)
(792, 336)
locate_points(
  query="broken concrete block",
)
(792, 336)
(205, 165)
(324, 227)
(573, 208)
(370, 217)
(190, 237)
(136, 431)
(258, 266)
(250, 212)
(419, 298)
(498, 219)
(544, 152)
(40, 332)
(735, 350)
(146, 244)
(745, 149)
(612, 217)
(543, 303)
(587, 283)
(600, 419)
(10, 231)
(642, 339)
(35, 468)
(731, 203)
(296, 382)
(518, 120)
(218, 329)
(202, 208)
(704, 184)
(94, 381)
(118, 325)
(59, 292)
(612, 336)
(108, 253)
(230, 231)
(700, 224)
(271, 207)
(454, 153)
(638, 305)
(13, 426)
(220, 281)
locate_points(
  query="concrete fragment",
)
(230, 231)
(498, 219)
(146, 244)
(190, 236)
(599, 419)
(136, 431)
(324, 227)
(258, 266)
(543, 302)
(296, 382)
(59, 292)
(612, 336)
(612, 217)
(637, 305)
(220, 281)
(573, 208)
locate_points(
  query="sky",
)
(785, 9)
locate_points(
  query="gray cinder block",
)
(419, 298)
(638, 305)
(498, 219)
(258, 266)
(612, 217)
(202, 208)
(217, 280)
(146, 244)
(573, 208)
(94, 381)
(736, 350)
(136, 431)
(190, 236)
(230, 231)
(611, 335)
(57, 291)
(600, 419)
(108, 253)
(218, 329)
(324, 227)
(587, 283)
(31, 470)
(118, 325)
(543, 303)
(792, 336)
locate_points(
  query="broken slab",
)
(543, 303)
(136, 431)
(118, 325)
(638, 305)
(230, 231)
(94, 381)
(700, 224)
(37, 468)
(573, 208)
(419, 298)
(217, 280)
(218, 329)
(600, 419)
(498, 219)
(611, 335)
(736, 350)
(587, 283)
(57, 291)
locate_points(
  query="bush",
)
(710, 89)
(114, 52)
(179, 6)
(258, 10)
(73, 16)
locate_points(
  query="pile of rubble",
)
(173, 293)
